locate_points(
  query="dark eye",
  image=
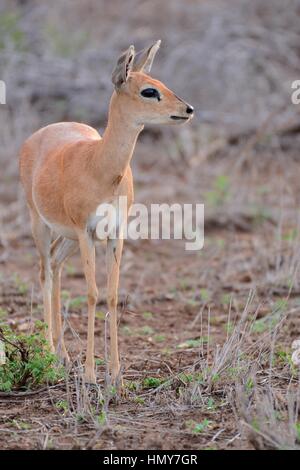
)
(150, 93)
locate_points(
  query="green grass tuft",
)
(28, 360)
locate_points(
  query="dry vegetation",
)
(205, 338)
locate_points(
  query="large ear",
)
(144, 59)
(123, 68)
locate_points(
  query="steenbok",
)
(68, 171)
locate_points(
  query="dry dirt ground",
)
(214, 327)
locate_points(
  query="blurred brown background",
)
(234, 61)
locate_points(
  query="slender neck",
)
(118, 140)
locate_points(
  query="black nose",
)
(189, 109)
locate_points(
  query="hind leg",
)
(42, 237)
(61, 249)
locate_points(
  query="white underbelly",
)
(62, 230)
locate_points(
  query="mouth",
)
(179, 118)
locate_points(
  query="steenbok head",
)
(143, 99)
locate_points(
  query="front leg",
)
(87, 251)
(113, 257)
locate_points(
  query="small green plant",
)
(62, 405)
(185, 284)
(211, 405)
(147, 315)
(132, 386)
(197, 428)
(99, 361)
(205, 295)
(220, 192)
(152, 382)
(249, 385)
(291, 235)
(65, 45)
(78, 302)
(285, 358)
(28, 360)
(159, 338)
(270, 321)
(100, 315)
(65, 295)
(280, 306)
(3, 315)
(192, 343)
(192, 302)
(297, 426)
(220, 242)
(10, 31)
(187, 378)
(112, 390)
(146, 331)
(21, 285)
(166, 351)
(260, 214)
(80, 418)
(229, 327)
(255, 424)
(101, 418)
(127, 330)
(225, 300)
(70, 269)
(260, 326)
(139, 400)
(215, 378)
(265, 324)
(20, 424)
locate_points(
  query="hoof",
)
(91, 387)
(90, 378)
(117, 381)
(63, 355)
(65, 360)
